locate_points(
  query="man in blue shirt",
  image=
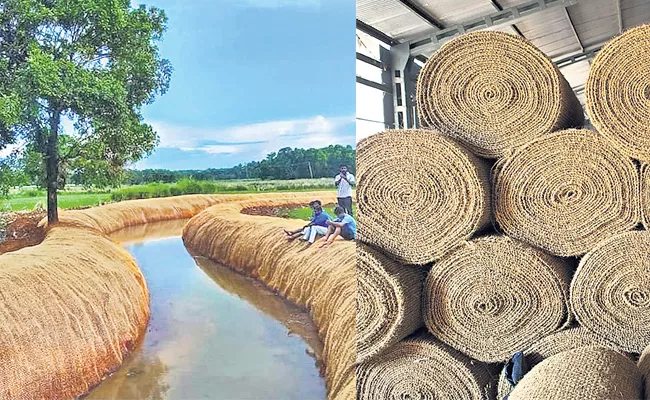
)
(343, 225)
(317, 225)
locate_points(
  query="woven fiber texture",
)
(618, 92)
(323, 280)
(494, 91)
(494, 296)
(419, 194)
(589, 373)
(553, 344)
(610, 291)
(644, 368)
(389, 304)
(74, 305)
(71, 308)
(645, 195)
(566, 191)
(423, 368)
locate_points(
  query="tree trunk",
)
(52, 168)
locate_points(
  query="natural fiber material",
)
(618, 92)
(389, 304)
(553, 344)
(493, 296)
(610, 291)
(644, 368)
(566, 191)
(72, 307)
(423, 368)
(645, 195)
(323, 280)
(419, 194)
(589, 373)
(494, 91)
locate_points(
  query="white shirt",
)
(344, 188)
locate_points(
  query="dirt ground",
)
(20, 229)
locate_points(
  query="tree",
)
(95, 62)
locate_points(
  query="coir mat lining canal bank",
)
(74, 306)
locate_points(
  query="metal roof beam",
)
(498, 7)
(576, 58)
(422, 14)
(376, 85)
(376, 33)
(508, 16)
(371, 61)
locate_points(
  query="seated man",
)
(343, 225)
(317, 225)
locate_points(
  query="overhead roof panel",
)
(635, 12)
(595, 21)
(549, 30)
(392, 18)
(452, 12)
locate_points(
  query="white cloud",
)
(312, 132)
(215, 149)
(282, 3)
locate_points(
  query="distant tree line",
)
(286, 163)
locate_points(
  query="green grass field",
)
(28, 198)
(305, 212)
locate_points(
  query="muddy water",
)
(213, 334)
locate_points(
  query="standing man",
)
(344, 182)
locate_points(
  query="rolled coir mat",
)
(582, 373)
(423, 368)
(419, 194)
(551, 345)
(644, 367)
(389, 303)
(645, 195)
(618, 92)
(493, 296)
(610, 291)
(566, 191)
(494, 91)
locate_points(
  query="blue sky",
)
(251, 77)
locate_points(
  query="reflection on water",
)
(213, 334)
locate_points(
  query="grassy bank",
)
(305, 212)
(76, 197)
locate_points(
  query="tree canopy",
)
(286, 163)
(95, 62)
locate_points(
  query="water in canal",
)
(213, 333)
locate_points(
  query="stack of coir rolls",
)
(501, 226)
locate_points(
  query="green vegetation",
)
(305, 212)
(95, 62)
(287, 163)
(77, 197)
(187, 186)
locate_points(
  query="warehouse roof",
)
(560, 28)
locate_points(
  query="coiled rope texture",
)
(566, 191)
(553, 344)
(610, 291)
(618, 92)
(419, 194)
(494, 91)
(423, 368)
(493, 296)
(592, 373)
(388, 301)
